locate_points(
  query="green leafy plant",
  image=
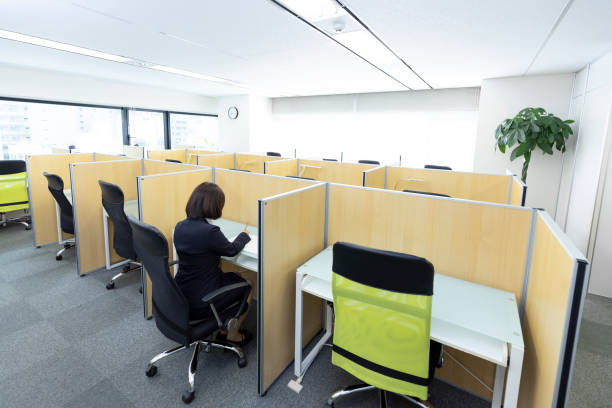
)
(531, 128)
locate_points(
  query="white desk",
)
(130, 208)
(473, 318)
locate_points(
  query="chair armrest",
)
(221, 291)
(209, 297)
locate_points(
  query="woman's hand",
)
(245, 230)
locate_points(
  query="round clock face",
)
(232, 112)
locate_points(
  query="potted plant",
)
(531, 128)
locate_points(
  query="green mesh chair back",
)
(13, 186)
(382, 306)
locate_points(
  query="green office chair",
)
(13, 192)
(382, 306)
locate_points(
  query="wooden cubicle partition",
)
(162, 167)
(291, 232)
(558, 279)
(518, 191)
(216, 160)
(135, 152)
(109, 157)
(285, 167)
(334, 172)
(375, 178)
(192, 153)
(175, 154)
(42, 204)
(87, 206)
(491, 188)
(479, 242)
(253, 162)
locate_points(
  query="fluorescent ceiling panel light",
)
(189, 73)
(9, 35)
(314, 10)
(367, 46)
(403, 74)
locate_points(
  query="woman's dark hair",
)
(206, 201)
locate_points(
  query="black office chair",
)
(436, 167)
(173, 161)
(302, 178)
(56, 187)
(275, 154)
(426, 193)
(14, 197)
(171, 310)
(369, 162)
(113, 203)
(330, 159)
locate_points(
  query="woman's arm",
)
(220, 244)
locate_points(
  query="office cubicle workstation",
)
(494, 188)
(246, 162)
(320, 170)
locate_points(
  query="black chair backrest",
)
(330, 159)
(56, 187)
(436, 167)
(426, 193)
(170, 307)
(369, 162)
(276, 154)
(12, 166)
(173, 161)
(113, 203)
(303, 178)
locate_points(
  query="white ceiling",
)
(254, 42)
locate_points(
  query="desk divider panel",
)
(557, 286)
(253, 162)
(135, 152)
(161, 167)
(491, 188)
(243, 191)
(216, 160)
(291, 231)
(518, 192)
(42, 204)
(285, 167)
(175, 154)
(109, 157)
(334, 172)
(87, 206)
(162, 199)
(479, 242)
(191, 155)
(375, 178)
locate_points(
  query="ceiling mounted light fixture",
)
(315, 10)
(28, 39)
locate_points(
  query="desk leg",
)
(106, 249)
(514, 376)
(498, 388)
(298, 326)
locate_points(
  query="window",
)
(146, 128)
(35, 128)
(194, 130)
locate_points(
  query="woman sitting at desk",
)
(200, 245)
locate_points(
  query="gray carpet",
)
(66, 341)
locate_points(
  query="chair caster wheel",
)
(207, 348)
(330, 403)
(242, 362)
(126, 268)
(110, 285)
(29, 227)
(58, 257)
(140, 290)
(151, 371)
(188, 397)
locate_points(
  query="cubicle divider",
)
(556, 290)
(253, 162)
(177, 154)
(162, 199)
(291, 231)
(42, 204)
(284, 168)
(192, 154)
(333, 172)
(109, 157)
(216, 160)
(375, 178)
(518, 191)
(134, 152)
(87, 206)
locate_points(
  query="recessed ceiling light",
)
(9, 35)
(191, 74)
(314, 10)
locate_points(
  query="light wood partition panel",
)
(244, 190)
(555, 295)
(291, 232)
(87, 206)
(162, 200)
(253, 162)
(162, 167)
(109, 157)
(177, 154)
(286, 167)
(470, 186)
(216, 160)
(135, 152)
(478, 242)
(42, 204)
(193, 153)
(375, 178)
(518, 194)
(334, 172)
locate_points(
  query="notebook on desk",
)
(250, 249)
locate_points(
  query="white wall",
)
(28, 83)
(249, 129)
(502, 98)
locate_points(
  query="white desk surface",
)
(465, 315)
(130, 207)
(248, 258)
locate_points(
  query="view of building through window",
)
(146, 128)
(194, 130)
